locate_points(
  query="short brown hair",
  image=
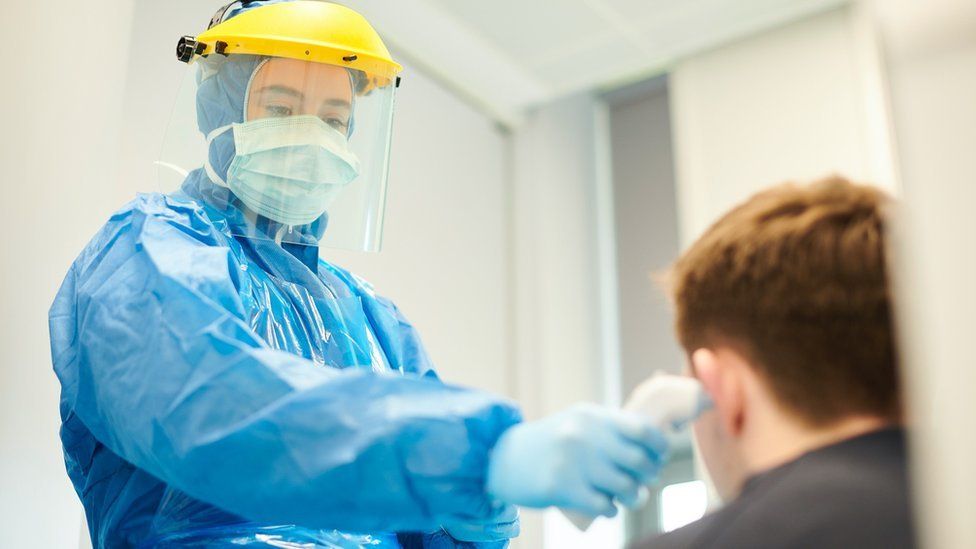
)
(795, 278)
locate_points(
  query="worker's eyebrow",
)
(284, 90)
(337, 103)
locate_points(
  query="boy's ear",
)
(723, 382)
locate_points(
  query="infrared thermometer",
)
(668, 403)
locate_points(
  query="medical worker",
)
(223, 386)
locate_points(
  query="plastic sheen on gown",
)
(219, 391)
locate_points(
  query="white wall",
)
(646, 220)
(931, 54)
(446, 256)
(153, 78)
(796, 103)
(557, 281)
(562, 225)
(59, 103)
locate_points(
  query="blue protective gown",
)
(218, 391)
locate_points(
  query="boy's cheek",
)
(708, 438)
(703, 429)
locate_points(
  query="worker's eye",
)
(277, 111)
(337, 123)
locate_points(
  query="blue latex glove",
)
(580, 459)
(504, 526)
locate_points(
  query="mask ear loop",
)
(207, 166)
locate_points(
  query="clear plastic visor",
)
(283, 149)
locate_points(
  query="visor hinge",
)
(220, 47)
(188, 47)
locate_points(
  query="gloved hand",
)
(580, 459)
(503, 526)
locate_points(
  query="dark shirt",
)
(851, 494)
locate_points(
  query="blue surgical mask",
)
(288, 169)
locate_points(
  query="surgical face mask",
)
(288, 169)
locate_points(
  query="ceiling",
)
(506, 56)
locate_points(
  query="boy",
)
(783, 307)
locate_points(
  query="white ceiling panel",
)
(526, 27)
(591, 66)
(508, 55)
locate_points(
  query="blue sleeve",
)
(154, 355)
(505, 524)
